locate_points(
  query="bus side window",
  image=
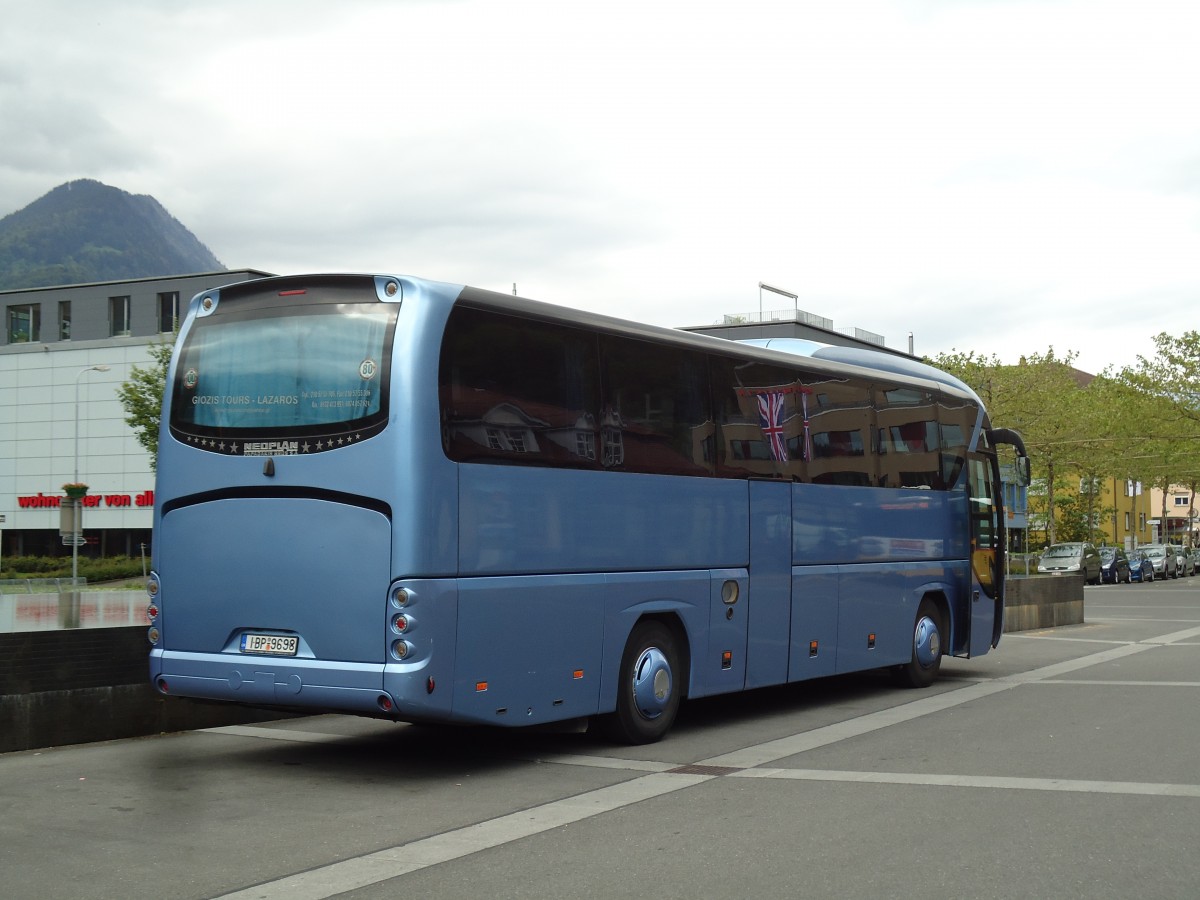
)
(909, 440)
(656, 415)
(956, 420)
(761, 427)
(518, 391)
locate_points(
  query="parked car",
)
(1181, 557)
(1114, 565)
(1140, 567)
(1194, 559)
(1076, 557)
(1166, 565)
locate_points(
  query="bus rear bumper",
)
(265, 681)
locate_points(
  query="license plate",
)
(270, 644)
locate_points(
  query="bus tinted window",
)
(310, 371)
(908, 438)
(518, 391)
(759, 411)
(655, 416)
(532, 392)
(957, 421)
(842, 418)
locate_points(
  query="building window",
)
(168, 312)
(1127, 522)
(1179, 501)
(118, 316)
(24, 323)
(64, 320)
(585, 444)
(510, 439)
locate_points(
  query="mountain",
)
(85, 231)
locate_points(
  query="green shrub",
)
(109, 568)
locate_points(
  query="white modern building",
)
(65, 352)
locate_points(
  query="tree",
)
(1140, 424)
(1174, 374)
(1044, 398)
(1078, 514)
(142, 398)
(1169, 386)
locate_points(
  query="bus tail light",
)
(154, 636)
(400, 649)
(400, 623)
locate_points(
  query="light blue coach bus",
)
(429, 502)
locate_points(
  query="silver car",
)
(1076, 557)
(1166, 563)
(1181, 559)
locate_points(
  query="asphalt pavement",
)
(1064, 764)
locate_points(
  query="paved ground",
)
(1066, 764)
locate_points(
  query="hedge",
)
(109, 568)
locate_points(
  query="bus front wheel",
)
(648, 688)
(928, 643)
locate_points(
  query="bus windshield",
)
(309, 371)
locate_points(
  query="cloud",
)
(985, 175)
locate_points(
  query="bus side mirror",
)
(1022, 470)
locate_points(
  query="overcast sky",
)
(992, 176)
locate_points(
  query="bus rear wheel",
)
(928, 643)
(648, 687)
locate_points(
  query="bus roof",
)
(825, 358)
(859, 356)
(821, 358)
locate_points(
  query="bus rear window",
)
(315, 374)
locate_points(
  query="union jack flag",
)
(770, 417)
(806, 451)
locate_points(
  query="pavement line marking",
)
(361, 871)
(598, 762)
(1101, 617)
(770, 751)
(1173, 637)
(350, 874)
(793, 744)
(1146, 789)
(1070, 640)
(277, 734)
(1083, 662)
(1098, 682)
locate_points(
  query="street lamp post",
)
(774, 290)
(78, 517)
